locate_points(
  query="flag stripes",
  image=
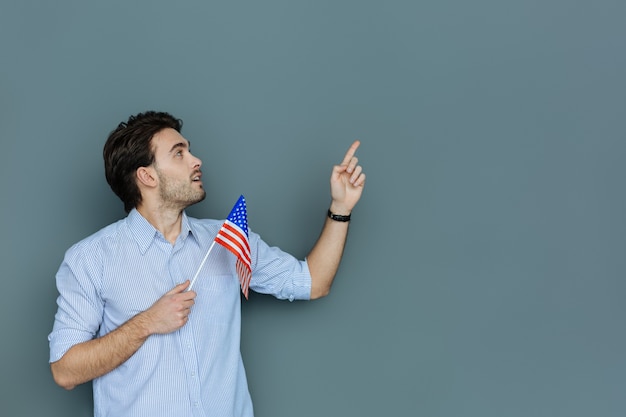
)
(232, 238)
(233, 235)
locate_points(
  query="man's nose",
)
(197, 163)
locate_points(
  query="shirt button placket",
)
(187, 342)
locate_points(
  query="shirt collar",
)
(144, 233)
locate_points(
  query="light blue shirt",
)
(123, 269)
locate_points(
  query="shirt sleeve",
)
(80, 306)
(278, 273)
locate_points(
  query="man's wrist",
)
(338, 217)
(141, 325)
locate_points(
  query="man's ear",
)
(146, 176)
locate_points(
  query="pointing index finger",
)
(351, 152)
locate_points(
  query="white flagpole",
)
(201, 265)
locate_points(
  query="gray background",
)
(485, 269)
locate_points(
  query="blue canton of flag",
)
(239, 215)
(234, 236)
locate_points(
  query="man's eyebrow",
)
(184, 145)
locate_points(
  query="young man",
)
(125, 317)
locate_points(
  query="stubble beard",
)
(179, 194)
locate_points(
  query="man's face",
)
(178, 171)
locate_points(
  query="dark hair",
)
(129, 148)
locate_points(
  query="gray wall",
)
(485, 269)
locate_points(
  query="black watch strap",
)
(338, 217)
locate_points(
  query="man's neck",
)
(167, 221)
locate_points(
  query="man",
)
(126, 318)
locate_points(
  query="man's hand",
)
(171, 311)
(346, 183)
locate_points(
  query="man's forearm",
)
(324, 258)
(94, 358)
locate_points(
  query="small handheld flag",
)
(233, 235)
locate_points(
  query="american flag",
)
(234, 236)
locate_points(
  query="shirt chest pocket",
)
(218, 298)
